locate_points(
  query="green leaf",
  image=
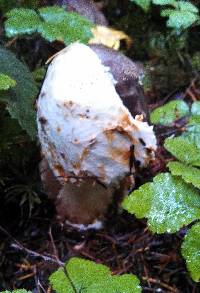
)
(181, 19)
(191, 251)
(85, 272)
(165, 2)
(187, 6)
(195, 110)
(81, 272)
(6, 82)
(54, 14)
(184, 150)
(192, 133)
(196, 61)
(60, 282)
(9, 132)
(79, 28)
(188, 173)
(144, 4)
(21, 21)
(52, 32)
(193, 121)
(123, 284)
(169, 112)
(89, 277)
(53, 23)
(20, 101)
(17, 291)
(168, 203)
(166, 12)
(69, 27)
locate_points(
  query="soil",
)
(34, 250)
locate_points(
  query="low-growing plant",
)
(80, 275)
(83, 276)
(18, 90)
(17, 291)
(52, 23)
(181, 14)
(172, 200)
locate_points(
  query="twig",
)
(27, 276)
(17, 245)
(40, 285)
(53, 245)
(36, 254)
(9, 43)
(164, 285)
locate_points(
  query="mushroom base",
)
(82, 204)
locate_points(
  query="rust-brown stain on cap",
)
(109, 134)
(68, 104)
(120, 155)
(84, 154)
(58, 129)
(60, 170)
(102, 172)
(125, 121)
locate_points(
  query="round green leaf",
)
(89, 277)
(181, 19)
(16, 291)
(122, 284)
(192, 133)
(168, 203)
(191, 251)
(195, 110)
(68, 28)
(169, 112)
(184, 149)
(84, 272)
(53, 23)
(165, 2)
(188, 173)
(187, 6)
(21, 21)
(52, 14)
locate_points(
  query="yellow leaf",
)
(109, 37)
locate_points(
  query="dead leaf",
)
(109, 37)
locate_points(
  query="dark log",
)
(85, 8)
(127, 75)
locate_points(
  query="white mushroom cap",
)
(83, 126)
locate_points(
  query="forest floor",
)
(36, 248)
(32, 245)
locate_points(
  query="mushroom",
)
(89, 138)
